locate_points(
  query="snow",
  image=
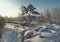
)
(41, 33)
(9, 36)
(48, 33)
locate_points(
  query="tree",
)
(56, 14)
(31, 8)
(28, 10)
(40, 19)
(2, 23)
(48, 16)
(24, 10)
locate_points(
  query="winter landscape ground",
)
(41, 33)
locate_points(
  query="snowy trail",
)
(10, 36)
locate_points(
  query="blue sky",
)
(10, 8)
(40, 4)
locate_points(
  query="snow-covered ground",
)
(41, 33)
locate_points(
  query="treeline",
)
(51, 16)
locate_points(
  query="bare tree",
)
(48, 16)
(2, 23)
(56, 15)
(40, 19)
